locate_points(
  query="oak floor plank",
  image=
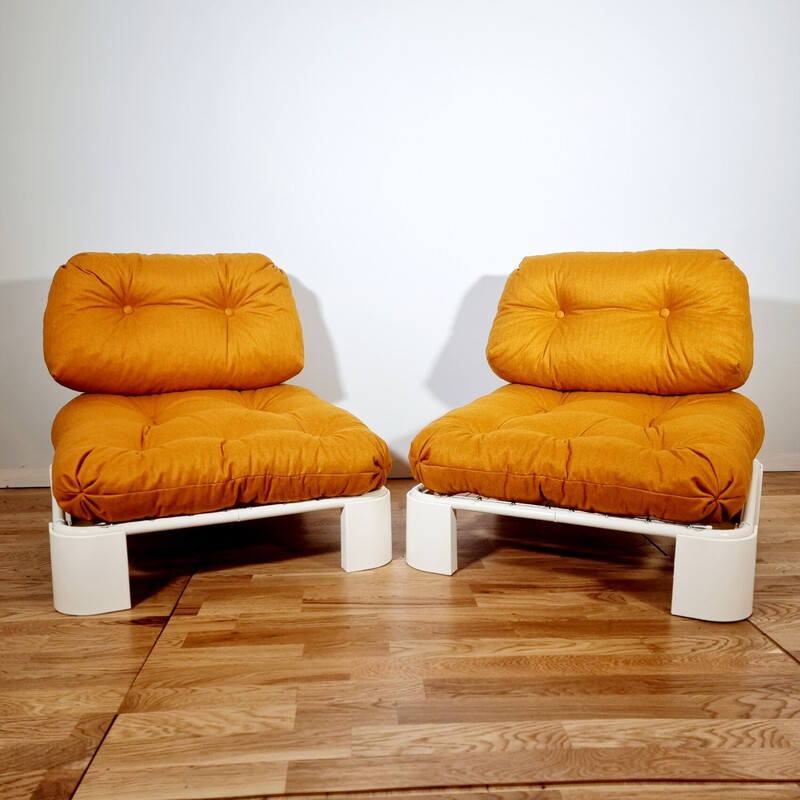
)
(545, 765)
(240, 744)
(484, 737)
(140, 698)
(469, 647)
(524, 666)
(21, 783)
(195, 782)
(756, 705)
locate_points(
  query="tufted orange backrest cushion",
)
(662, 322)
(147, 324)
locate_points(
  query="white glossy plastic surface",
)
(431, 534)
(714, 569)
(90, 573)
(367, 532)
(713, 580)
(89, 563)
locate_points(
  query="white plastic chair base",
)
(90, 572)
(714, 570)
(89, 563)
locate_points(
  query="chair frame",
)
(714, 568)
(89, 561)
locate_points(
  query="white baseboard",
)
(781, 462)
(24, 477)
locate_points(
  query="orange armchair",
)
(619, 413)
(185, 419)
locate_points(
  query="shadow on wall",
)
(29, 397)
(774, 383)
(460, 373)
(321, 371)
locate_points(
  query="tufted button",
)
(559, 314)
(228, 312)
(664, 312)
(128, 309)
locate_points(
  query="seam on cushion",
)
(550, 335)
(514, 419)
(470, 428)
(296, 417)
(219, 483)
(711, 466)
(592, 425)
(91, 273)
(567, 480)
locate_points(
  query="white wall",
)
(398, 158)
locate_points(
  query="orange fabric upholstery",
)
(621, 368)
(685, 459)
(122, 458)
(181, 358)
(144, 324)
(659, 322)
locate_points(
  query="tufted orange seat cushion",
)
(680, 458)
(126, 323)
(120, 458)
(658, 322)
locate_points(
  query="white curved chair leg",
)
(90, 572)
(431, 534)
(713, 578)
(367, 531)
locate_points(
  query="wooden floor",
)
(548, 667)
